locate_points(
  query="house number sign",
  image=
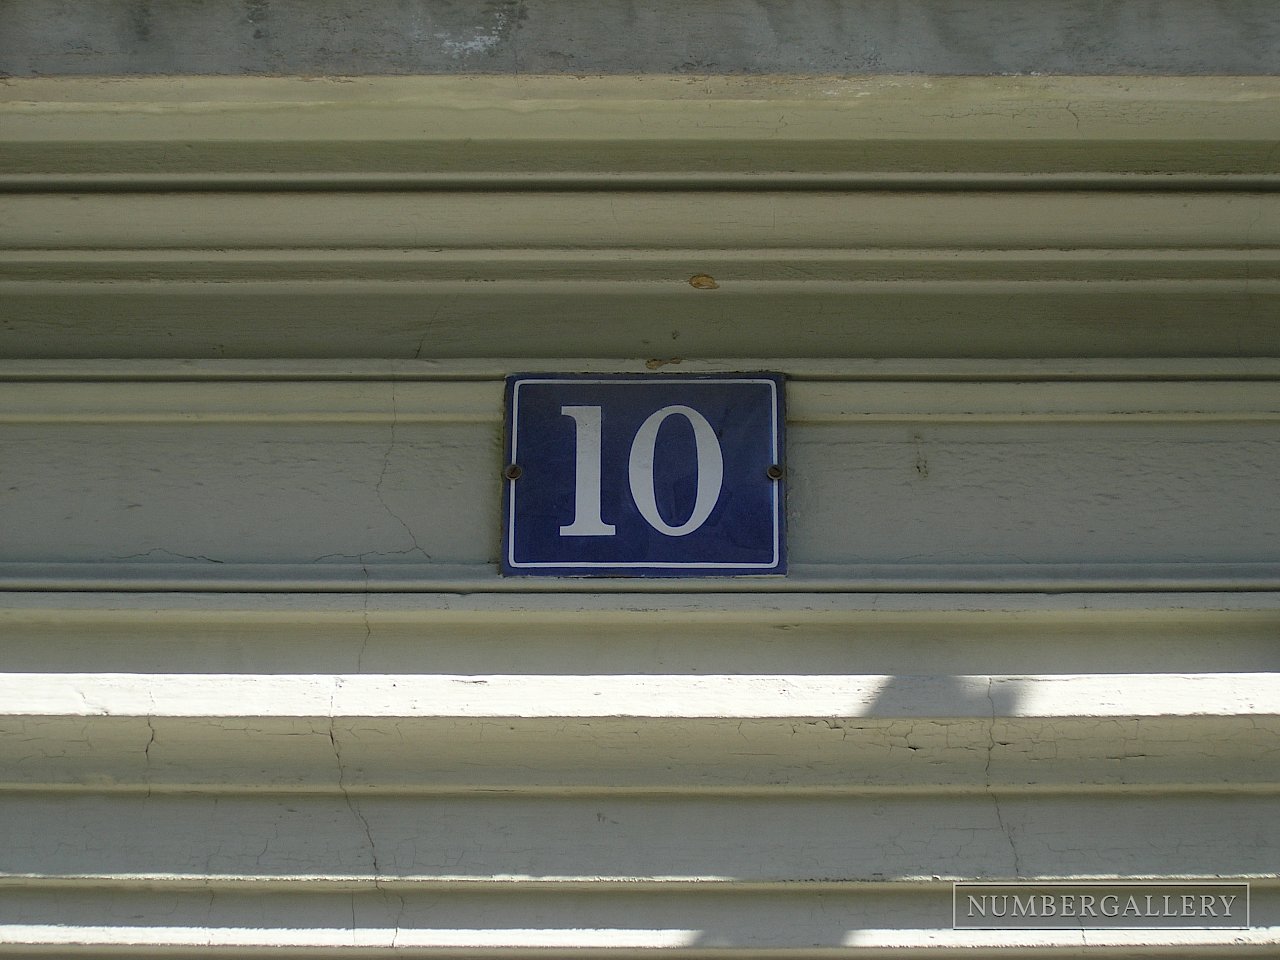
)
(663, 475)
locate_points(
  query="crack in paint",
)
(382, 476)
(171, 553)
(146, 750)
(995, 799)
(353, 806)
(364, 616)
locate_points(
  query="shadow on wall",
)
(837, 919)
(942, 696)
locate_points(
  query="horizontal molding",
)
(654, 757)
(719, 837)
(718, 695)
(398, 324)
(239, 401)
(1104, 612)
(939, 370)
(731, 840)
(810, 221)
(783, 267)
(736, 126)
(639, 695)
(143, 181)
(497, 889)
(170, 940)
(845, 403)
(840, 217)
(615, 920)
(544, 320)
(165, 571)
(395, 506)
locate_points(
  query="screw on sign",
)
(661, 475)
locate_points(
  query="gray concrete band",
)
(980, 37)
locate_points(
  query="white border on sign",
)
(635, 564)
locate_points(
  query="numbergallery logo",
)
(1100, 905)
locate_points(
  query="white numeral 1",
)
(586, 498)
(587, 521)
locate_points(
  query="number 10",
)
(587, 521)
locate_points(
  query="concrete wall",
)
(49, 37)
(262, 689)
(264, 693)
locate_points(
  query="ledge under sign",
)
(666, 475)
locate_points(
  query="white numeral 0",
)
(587, 521)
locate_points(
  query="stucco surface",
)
(625, 36)
(263, 692)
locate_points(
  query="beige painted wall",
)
(263, 692)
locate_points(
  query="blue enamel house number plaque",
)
(667, 475)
